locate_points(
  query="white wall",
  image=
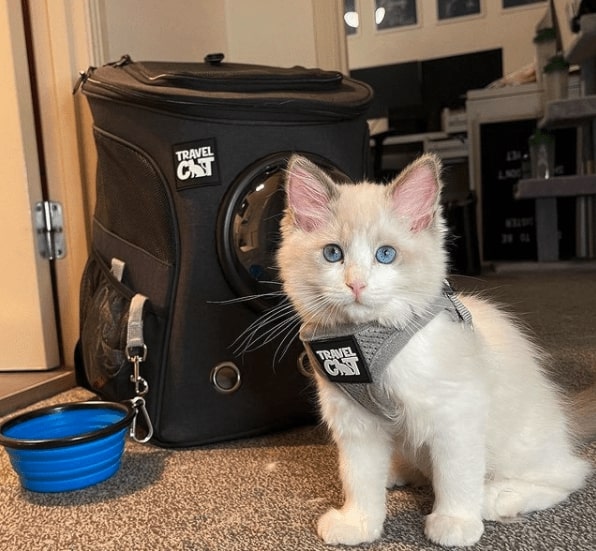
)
(281, 32)
(176, 30)
(267, 32)
(511, 29)
(271, 32)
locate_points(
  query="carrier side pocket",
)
(105, 306)
(104, 314)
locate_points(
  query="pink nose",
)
(357, 287)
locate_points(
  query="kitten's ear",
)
(415, 192)
(309, 191)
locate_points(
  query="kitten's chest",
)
(356, 361)
(362, 361)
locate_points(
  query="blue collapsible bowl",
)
(67, 447)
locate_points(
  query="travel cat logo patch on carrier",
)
(195, 164)
(341, 360)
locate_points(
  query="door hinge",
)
(50, 230)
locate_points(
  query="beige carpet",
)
(266, 493)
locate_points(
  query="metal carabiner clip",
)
(141, 385)
(138, 403)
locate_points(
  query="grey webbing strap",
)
(369, 349)
(461, 310)
(117, 268)
(136, 353)
(134, 328)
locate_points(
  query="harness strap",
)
(355, 358)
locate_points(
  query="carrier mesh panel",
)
(132, 200)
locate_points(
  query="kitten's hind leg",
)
(508, 498)
(403, 473)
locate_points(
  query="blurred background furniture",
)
(574, 112)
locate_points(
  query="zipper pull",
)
(124, 60)
(83, 76)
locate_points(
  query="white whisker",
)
(248, 298)
(280, 321)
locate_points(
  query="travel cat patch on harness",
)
(355, 357)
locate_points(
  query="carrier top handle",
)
(214, 59)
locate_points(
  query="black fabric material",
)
(227, 77)
(166, 168)
(255, 94)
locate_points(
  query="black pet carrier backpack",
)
(188, 200)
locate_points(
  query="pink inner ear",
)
(415, 198)
(308, 199)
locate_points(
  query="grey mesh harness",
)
(355, 357)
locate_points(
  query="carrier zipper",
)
(321, 107)
(312, 107)
(124, 60)
(84, 75)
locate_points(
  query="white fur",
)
(475, 413)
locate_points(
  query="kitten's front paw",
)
(348, 527)
(453, 531)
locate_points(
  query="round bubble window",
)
(248, 227)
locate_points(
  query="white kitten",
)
(467, 407)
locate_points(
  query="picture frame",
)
(351, 17)
(395, 14)
(452, 9)
(518, 3)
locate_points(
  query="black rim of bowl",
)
(49, 443)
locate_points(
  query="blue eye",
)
(333, 253)
(385, 254)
